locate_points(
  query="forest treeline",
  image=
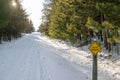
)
(81, 21)
(13, 20)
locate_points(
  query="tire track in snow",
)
(45, 75)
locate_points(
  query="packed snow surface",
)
(36, 57)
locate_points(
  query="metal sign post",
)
(94, 73)
(94, 48)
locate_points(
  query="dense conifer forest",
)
(81, 21)
(13, 20)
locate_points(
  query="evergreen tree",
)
(13, 20)
(83, 20)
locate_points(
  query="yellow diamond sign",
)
(94, 48)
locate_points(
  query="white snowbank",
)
(37, 57)
(108, 68)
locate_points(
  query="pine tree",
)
(83, 20)
(12, 20)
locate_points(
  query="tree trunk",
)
(118, 49)
(109, 47)
(0, 39)
(105, 40)
(109, 44)
(101, 35)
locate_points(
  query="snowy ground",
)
(36, 57)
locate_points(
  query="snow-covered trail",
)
(30, 58)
